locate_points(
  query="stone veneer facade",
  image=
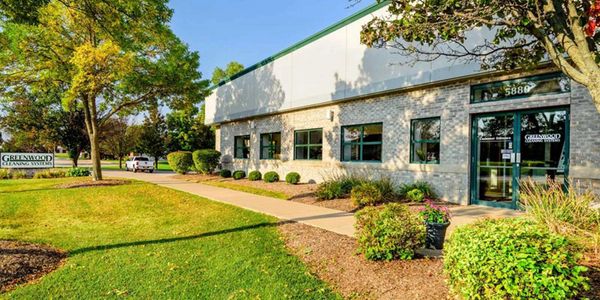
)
(450, 102)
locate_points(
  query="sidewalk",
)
(329, 219)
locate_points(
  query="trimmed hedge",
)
(390, 231)
(206, 160)
(225, 173)
(180, 161)
(254, 176)
(271, 176)
(292, 178)
(366, 194)
(512, 258)
(239, 174)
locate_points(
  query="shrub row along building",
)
(329, 105)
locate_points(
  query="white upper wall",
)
(333, 67)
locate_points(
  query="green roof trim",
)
(372, 8)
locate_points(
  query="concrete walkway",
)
(329, 219)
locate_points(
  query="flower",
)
(432, 213)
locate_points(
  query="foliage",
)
(330, 190)
(21, 11)
(78, 172)
(390, 231)
(219, 74)
(271, 176)
(118, 139)
(415, 195)
(186, 130)
(4, 174)
(511, 258)
(225, 173)
(423, 186)
(180, 161)
(522, 34)
(567, 212)
(107, 58)
(386, 188)
(50, 173)
(366, 194)
(206, 160)
(239, 174)
(254, 176)
(18, 174)
(153, 135)
(292, 178)
(340, 186)
(432, 213)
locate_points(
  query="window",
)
(362, 142)
(270, 145)
(242, 146)
(308, 144)
(522, 87)
(425, 141)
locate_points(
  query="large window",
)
(425, 141)
(521, 87)
(242, 146)
(270, 145)
(308, 144)
(362, 142)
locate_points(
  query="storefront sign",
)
(543, 138)
(522, 87)
(26, 160)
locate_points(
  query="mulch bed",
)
(25, 262)
(592, 262)
(332, 257)
(90, 183)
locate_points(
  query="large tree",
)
(110, 57)
(186, 130)
(117, 139)
(153, 137)
(524, 33)
(231, 69)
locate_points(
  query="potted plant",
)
(437, 220)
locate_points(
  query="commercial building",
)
(329, 105)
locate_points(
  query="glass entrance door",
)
(510, 146)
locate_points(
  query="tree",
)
(21, 11)
(153, 137)
(117, 139)
(110, 57)
(186, 130)
(525, 34)
(67, 127)
(219, 74)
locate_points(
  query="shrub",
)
(206, 160)
(386, 187)
(389, 232)
(329, 190)
(239, 174)
(180, 161)
(254, 176)
(18, 174)
(366, 194)
(292, 178)
(50, 173)
(271, 176)
(511, 258)
(225, 173)
(4, 174)
(423, 186)
(432, 213)
(415, 195)
(568, 212)
(78, 172)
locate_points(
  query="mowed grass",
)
(144, 241)
(247, 189)
(162, 166)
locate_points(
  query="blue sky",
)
(249, 31)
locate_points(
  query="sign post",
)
(27, 160)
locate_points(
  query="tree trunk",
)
(96, 166)
(120, 162)
(91, 126)
(156, 162)
(75, 160)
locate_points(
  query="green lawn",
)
(145, 241)
(162, 166)
(247, 189)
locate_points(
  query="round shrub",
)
(78, 172)
(390, 231)
(329, 190)
(511, 258)
(239, 174)
(415, 195)
(206, 160)
(292, 178)
(271, 176)
(180, 161)
(254, 176)
(225, 173)
(366, 194)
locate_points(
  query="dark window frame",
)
(361, 143)
(236, 146)
(273, 149)
(308, 145)
(413, 142)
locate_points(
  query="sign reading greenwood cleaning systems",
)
(26, 160)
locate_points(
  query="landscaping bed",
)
(24, 262)
(332, 257)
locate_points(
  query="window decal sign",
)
(522, 87)
(26, 160)
(543, 138)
